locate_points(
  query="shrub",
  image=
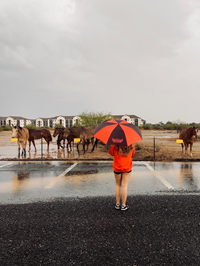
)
(7, 128)
(32, 126)
(1, 128)
(147, 126)
(58, 126)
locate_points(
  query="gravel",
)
(156, 230)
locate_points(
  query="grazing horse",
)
(22, 134)
(188, 136)
(38, 134)
(84, 133)
(60, 132)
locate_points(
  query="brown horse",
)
(84, 133)
(59, 132)
(22, 134)
(188, 136)
(38, 134)
(70, 139)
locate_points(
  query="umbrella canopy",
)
(117, 132)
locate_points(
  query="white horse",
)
(22, 134)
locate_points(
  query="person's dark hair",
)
(124, 150)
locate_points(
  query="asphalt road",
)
(156, 230)
(63, 214)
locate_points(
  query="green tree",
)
(92, 118)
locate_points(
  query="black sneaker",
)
(117, 206)
(124, 208)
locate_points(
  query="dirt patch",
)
(166, 149)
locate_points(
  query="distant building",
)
(2, 121)
(65, 121)
(18, 120)
(133, 119)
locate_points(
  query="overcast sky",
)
(64, 57)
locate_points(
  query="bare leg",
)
(125, 180)
(118, 179)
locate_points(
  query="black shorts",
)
(119, 173)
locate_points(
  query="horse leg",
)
(48, 145)
(70, 146)
(186, 147)
(88, 143)
(24, 148)
(83, 146)
(29, 141)
(63, 144)
(18, 150)
(182, 147)
(33, 141)
(95, 145)
(191, 150)
(78, 149)
(58, 142)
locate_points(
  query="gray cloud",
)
(67, 56)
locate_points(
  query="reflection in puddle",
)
(78, 177)
(186, 176)
(19, 181)
(58, 154)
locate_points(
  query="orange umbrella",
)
(117, 132)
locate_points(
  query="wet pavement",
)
(62, 213)
(22, 182)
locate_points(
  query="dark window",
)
(51, 123)
(18, 122)
(136, 122)
(60, 121)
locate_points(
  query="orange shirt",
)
(121, 163)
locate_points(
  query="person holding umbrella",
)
(121, 135)
(122, 167)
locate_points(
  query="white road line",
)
(5, 164)
(159, 176)
(54, 181)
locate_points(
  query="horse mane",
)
(18, 127)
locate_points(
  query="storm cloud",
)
(125, 57)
